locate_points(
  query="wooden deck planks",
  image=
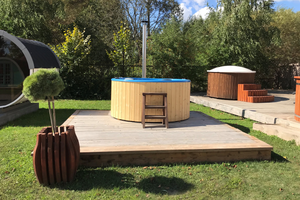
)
(105, 141)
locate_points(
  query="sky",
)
(199, 7)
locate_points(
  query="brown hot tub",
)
(223, 81)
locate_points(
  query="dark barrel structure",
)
(223, 81)
(18, 59)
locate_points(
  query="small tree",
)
(74, 49)
(45, 83)
(122, 53)
(72, 54)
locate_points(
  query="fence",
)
(281, 77)
(94, 81)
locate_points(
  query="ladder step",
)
(154, 107)
(154, 93)
(251, 86)
(155, 117)
(260, 99)
(256, 92)
(164, 117)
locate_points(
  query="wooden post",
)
(297, 99)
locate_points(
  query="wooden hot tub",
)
(126, 98)
(223, 81)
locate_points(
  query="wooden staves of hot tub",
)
(126, 98)
(223, 81)
(297, 99)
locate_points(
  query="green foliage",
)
(41, 84)
(238, 34)
(122, 53)
(74, 49)
(156, 12)
(24, 18)
(287, 48)
(172, 52)
(171, 49)
(72, 54)
(41, 20)
(101, 18)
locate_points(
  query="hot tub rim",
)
(158, 80)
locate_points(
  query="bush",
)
(44, 83)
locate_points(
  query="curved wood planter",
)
(56, 158)
(297, 100)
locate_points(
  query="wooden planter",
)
(56, 158)
(297, 99)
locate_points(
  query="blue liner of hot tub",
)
(131, 79)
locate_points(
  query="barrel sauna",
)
(18, 59)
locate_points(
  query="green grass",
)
(275, 179)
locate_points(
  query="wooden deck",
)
(107, 141)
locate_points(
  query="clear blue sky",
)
(192, 7)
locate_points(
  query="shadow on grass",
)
(242, 128)
(278, 158)
(87, 179)
(41, 118)
(164, 185)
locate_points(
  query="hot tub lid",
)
(231, 69)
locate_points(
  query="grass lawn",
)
(275, 179)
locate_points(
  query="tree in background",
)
(74, 49)
(156, 12)
(72, 54)
(286, 48)
(101, 19)
(25, 19)
(171, 49)
(122, 53)
(172, 53)
(41, 20)
(240, 32)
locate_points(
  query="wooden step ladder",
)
(164, 108)
(253, 93)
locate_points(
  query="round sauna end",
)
(18, 59)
